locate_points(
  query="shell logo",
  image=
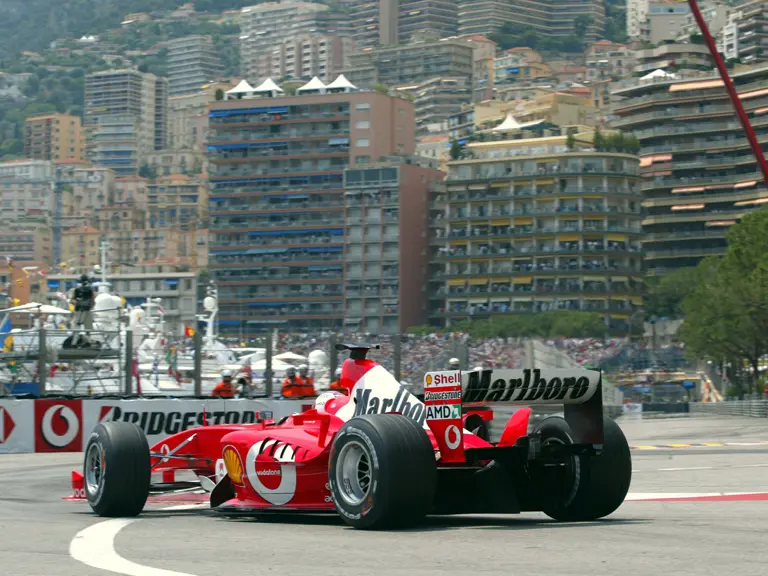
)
(428, 380)
(234, 465)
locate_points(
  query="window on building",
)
(363, 106)
(362, 124)
(363, 142)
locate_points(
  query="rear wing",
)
(580, 391)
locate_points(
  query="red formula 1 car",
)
(379, 457)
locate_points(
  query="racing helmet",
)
(338, 372)
(303, 370)
(290, 372)
(454, 364)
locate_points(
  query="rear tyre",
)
(382, 472)
(583, 488)
(117, 470)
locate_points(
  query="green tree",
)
(598, 141)
(570, 141)
(455, 150)
(219, 94)
(666, 293)
(726, 315)
(381, 88)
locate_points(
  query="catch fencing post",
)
(42, 364)
(198, 343)
(268, 373)
(398, 352)
(128, 362)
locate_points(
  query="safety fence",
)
(749, 408)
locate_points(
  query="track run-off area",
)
(698, 505)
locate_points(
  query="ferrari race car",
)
(381, 458)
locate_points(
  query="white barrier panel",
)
(57, 425)
(17, 433)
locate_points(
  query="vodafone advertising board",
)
(54, 425)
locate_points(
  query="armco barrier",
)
(63, 425)
(749, 408)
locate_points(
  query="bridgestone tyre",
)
(382, 472)
(592, 487)
(121, 453)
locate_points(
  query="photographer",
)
(83, 300)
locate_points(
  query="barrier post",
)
(42, 364)
(398, 353)
(128, 362)
(334, 356)
(268, 372)
(198, 343)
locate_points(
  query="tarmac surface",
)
(676, 522)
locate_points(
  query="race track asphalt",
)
(642, 538)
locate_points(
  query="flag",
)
(5, 334)
(171, 358)
(189, 332)
(135, 373)
(20, 282)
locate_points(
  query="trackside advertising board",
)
(55, 425)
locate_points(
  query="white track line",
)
(95, 547)
(640, 496)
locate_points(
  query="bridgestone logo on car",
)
(483, 387)
(154, 423)
(435, 396)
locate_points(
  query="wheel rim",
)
(353, 473)
(562, 475)
(93, 469)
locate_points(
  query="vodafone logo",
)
(452, 437)
(273, 480)
(58, 426)
(6, 424)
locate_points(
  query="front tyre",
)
(382, 472)
(582, 487)
(117, 470)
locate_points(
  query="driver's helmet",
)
(303, 370)
(290, 372)
(453, 364)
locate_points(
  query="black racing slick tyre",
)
(117, 470)
(583, 487)
(382, 472)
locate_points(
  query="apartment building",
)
(311, 55)
(435, 100)
(519, 64)
(386, 248)
(53, 137)
(192, 63)
(126, 116)
(411, 63)
(427, 19)
(700, 174)
(26, 241)
(554, 18)
(673, 58)
(607, 60)
(277, 223)
(188, 117)
(177, 202)
(27, 189)
(665, 21)
(80, 247)
(21, 287)
(752, 32)
(527, 225)
(177, 291)
(271, 24)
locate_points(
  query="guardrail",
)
(749, 408)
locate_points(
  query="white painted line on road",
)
(640, 496)
(684, 469)
(95, 547)
(681, 469)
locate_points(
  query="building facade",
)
(277, 223)
(554, 18)
(700, 174)
(27, 189)
(126, 116)
(53, 137)
(528, 226)
(386, 250)
(192, 63)
(311, 55)
(411, 63)
(436, 100)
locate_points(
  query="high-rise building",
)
(311, 55)
(374, 23)
(412, 63)
(271, 24)
(27, 189)
(53, 137)
(554, 18)
(277, 220)
(192, 63)
(752, 35)
(390, 22)
(126, 115)
(528, 225)
(700, 174)
(437, 99)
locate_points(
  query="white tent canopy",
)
(314, 85)
(268, 86)
(291, 357)
(512, 125)
(659, 73)
(243, 88)
(341, 84)
(35, 308)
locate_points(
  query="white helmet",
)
(303, 369)
(226, 373)
(453, 363)
(338, 372)
(290, 371)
